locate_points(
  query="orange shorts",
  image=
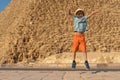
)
(79, 42)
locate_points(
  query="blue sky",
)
(3, 4)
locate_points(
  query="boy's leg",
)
(74, 62)
(83, 49)
(74, 49)
(74, 56)
(85, 56)
(86, 60)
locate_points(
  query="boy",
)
(80, 26)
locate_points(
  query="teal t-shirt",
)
(80, 24)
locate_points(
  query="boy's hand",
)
(70, 7)
(69, 10)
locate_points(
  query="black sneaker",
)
(87, 65)
(74, 64)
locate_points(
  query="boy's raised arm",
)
(69, 11)
(94, 12)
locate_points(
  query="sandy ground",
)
(59, 75)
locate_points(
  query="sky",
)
(3, 4)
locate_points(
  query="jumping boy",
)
(80, 26)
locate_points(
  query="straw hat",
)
(78, 10)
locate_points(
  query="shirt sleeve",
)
(84, 18)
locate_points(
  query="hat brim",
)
(78, 10)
